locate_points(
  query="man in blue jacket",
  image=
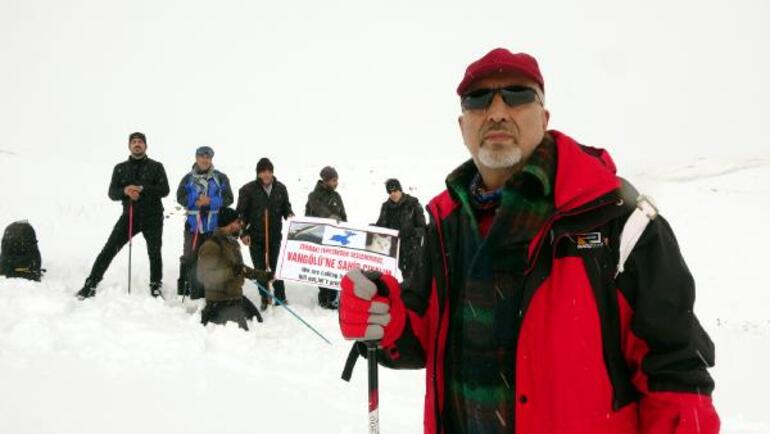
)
(202, 192)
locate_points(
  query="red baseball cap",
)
(501, 60)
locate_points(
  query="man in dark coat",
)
(222, 273)
(139, 184)
(325, 202)
(202, 192)
(403, 213)
(263, 204)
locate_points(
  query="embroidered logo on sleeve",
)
(589, 240)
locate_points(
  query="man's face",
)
(265, 176)
(332, 183)
(499, 136)
(395, 195)
(137, 147)
(203, 162)
(234, 228)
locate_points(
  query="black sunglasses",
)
(512, 96)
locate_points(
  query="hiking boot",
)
(263, 305)
(156, 289)
(88, 290)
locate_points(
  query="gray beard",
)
(496, 159)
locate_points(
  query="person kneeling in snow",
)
(222, 272)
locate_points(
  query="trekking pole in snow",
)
(267, 246)
(277, 301)
(374, 391)
(130, 234)
(267, 242)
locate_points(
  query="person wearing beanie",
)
(325, 202)
(222, 273)
(202, 192)
(403, 213)
(552, 297)
(139, 183)
(328, 174)
(264, 204)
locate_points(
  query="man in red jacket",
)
(526, 312)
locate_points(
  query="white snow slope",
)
(123, 363)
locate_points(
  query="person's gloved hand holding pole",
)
(371, 308)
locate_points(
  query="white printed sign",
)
(319, 252)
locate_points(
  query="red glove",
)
(371, 308)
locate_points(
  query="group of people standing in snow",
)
(211, 264)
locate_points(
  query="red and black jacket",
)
(594, 353)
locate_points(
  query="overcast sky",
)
(656, 82)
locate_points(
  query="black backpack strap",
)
(350, 363)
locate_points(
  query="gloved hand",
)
(253, 274)
(238, 269)
(371, 308)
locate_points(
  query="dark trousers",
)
(237, 311)
(326, 297)
(151, 228)
(408, 258)
(257, 251)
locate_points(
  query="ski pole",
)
(266, 292)
(267, 245)
(374, 391)
(130, 243)
(267, 242)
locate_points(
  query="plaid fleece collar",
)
(535, 179)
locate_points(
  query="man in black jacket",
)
(325, 202)
(139, 183)
(403, 213)
(262, 205)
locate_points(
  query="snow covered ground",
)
(677, 91)
(134, 364)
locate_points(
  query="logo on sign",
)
(344, 238)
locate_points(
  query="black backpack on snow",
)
(19, 254)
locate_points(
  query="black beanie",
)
(392, 185)
(226, 216)
(328, 173)
(137, 135)
(264, 164)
